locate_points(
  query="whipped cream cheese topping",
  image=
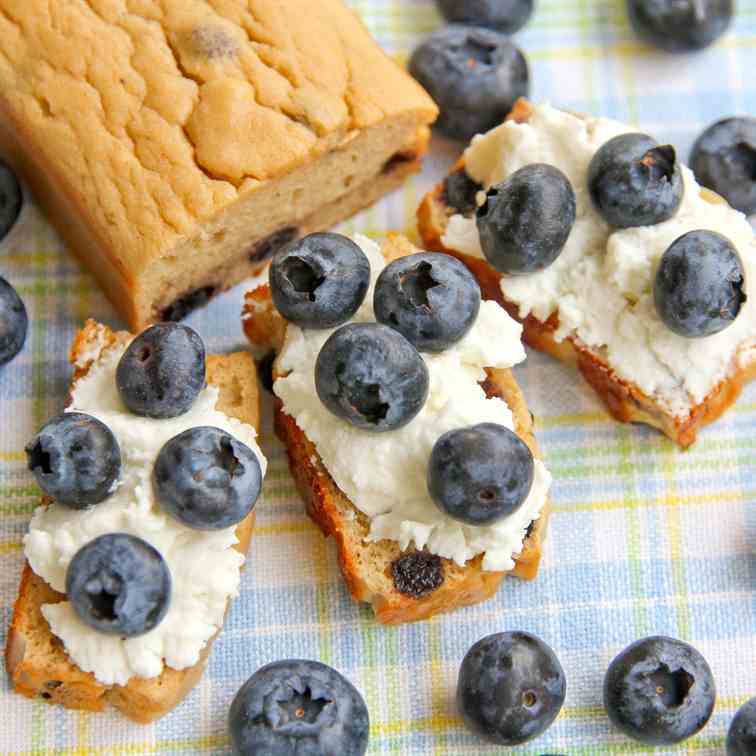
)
(384, 474)
(204, 565)
(602, 283)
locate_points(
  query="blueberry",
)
(526, 220)
(207, 479)
(162, 371)
(75, 459)
(460, 192)
(319, 281)
(371, 376)
(431, 299)
(741, 737)
(475, 76)
(480, 475)
(699, 285)
(680, 25)
(298, 708)
(119, 584)
(11, 199)
(506, 16)
(14, 322)
(659, 691)
(511, 687)
(724, 159)
(633, 181)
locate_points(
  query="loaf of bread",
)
(175, 144)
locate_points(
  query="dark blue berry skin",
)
(526, 220)
(680, 25)
(659, 691)
(633, 181)
(511, 688)
(75, 459)
(370, 375)
(724, 160)
(475, 76)
(11, 199)
(162, 371)
(298, 708)
(319, 281)
(207, 479)
(14, 322)
(431, 299)
(505, 16)
(741, 737)
(481, 474)
(119, 584)
(699, 285)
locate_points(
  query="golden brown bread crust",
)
(36, 660)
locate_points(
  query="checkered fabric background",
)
(643, 539)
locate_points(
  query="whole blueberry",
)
(680, 25)
(14, 322)
(460, 192)
(506, 16)
(633, 181)
(526, 220)
(162, 371)
(319, 281)
(431, 299)
(511, 687)
(119, 584)
(75, 459)
(207, 479)
(298, 707)
(481, 474)
(659, 691)
(724, 160)
(475, 76)
(700, 284)
(370, 375)
(741, 737)
(11, 199)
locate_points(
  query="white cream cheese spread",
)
(601, 285)
(384, 474)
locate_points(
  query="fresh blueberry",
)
(480, 475)
(724, 160)
(298, 708)
(526, 220)
(511, 687)
(119, 584)
(14, 322)
(633, 181)
(11, 199)
(162, 371)
(475, 76)
(431, 299)
(75, 459)
(506, 16)
(460, 192)
(699, 285)
(319, 281)
(680, 25)
(659, 691)
(741, 737)
(207, 479)
(371, 376)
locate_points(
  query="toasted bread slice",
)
(624, 400)
(368, 567)
(36, 659)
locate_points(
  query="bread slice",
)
(368, 567)
(36, 659)
(624, 400)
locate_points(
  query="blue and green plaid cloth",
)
(643, 539)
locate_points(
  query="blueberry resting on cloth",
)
(511, 687)
(475, 76)
(659, 691)
(75, 459)
(526, 220)
(162, 371)
(295, 707)
(431, 299)
(506, 16)
(119, 584)
(11, 199)
(741, 737)
(14, 322)
(699, 286)
(207, 479)
(370, 375)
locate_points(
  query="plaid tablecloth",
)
(643, 539)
